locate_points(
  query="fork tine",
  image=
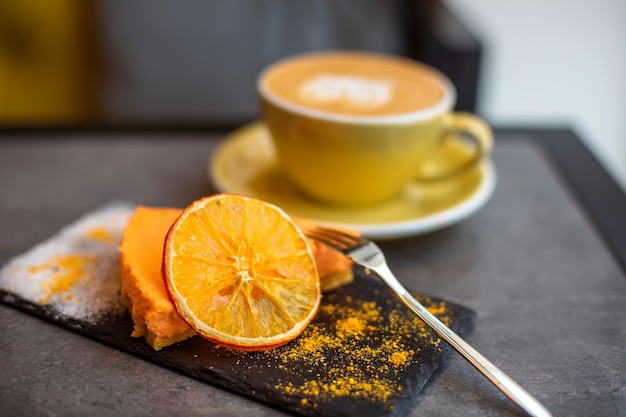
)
(325, 240)
(334, 238)
(343, 240)
(352, 238)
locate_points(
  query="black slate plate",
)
(364, 354)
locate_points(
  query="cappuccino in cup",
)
(355, 128)
(345, 84)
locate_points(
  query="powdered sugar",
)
(76, 271)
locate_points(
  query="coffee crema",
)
(355, 84)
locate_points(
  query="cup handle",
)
(473, 128)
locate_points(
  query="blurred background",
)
(165, 63)
(556, 62)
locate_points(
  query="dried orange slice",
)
(240, 272)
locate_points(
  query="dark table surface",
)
(543, 265)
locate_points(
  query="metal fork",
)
(368, 255)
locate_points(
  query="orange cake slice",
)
(143, 288)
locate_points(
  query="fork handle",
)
(504, 383)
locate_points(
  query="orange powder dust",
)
(69, 271)
(374, 343)
(101, 234)
(437, 308)
(351, 326)
(400, 358)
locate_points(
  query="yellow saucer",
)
(245, 163)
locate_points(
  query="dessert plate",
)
(245, 163)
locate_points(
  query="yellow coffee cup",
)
(355, 128)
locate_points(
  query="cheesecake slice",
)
(143, 289)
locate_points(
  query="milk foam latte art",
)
(355, 92)
(346, 84)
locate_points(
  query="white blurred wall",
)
(552, 62)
